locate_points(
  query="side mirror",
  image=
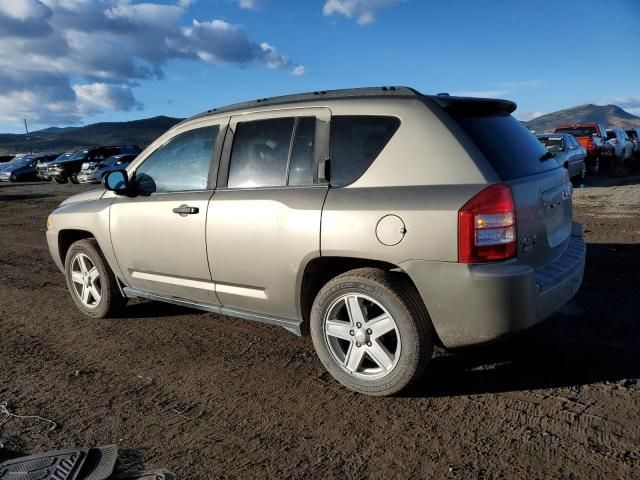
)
(117, 181)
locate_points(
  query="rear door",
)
(264, 220)
(541, 188)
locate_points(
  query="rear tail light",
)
(591, 146)
(487, 226)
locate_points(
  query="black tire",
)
(595, 168)
(74, 179)
(58, 181)
(583, 171)
(401, 300)
(111, 299)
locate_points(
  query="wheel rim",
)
(362, 336)
(86, 280)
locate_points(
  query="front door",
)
(264, 220)
(158, 235)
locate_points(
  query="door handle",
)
(186, 210)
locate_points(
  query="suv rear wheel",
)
(92, 284)
(371, 331)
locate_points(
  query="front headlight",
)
(49, 223)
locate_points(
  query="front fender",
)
(90, 216)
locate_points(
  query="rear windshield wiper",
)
(546, 156)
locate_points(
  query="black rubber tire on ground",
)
(111, 299)
(595, 167)
(58, 180)
(401, 299)
(74, 178)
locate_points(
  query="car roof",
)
(444, 100)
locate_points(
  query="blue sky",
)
(136, 61)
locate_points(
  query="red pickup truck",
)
(593, 137)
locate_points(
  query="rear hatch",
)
(540, 187)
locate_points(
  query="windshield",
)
(511, 149)
(578, 131)
(23, 161)
(553, 144)
(64, 156)
(78, 155)
(611, 135)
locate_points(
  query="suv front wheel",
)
(92, 284)
(371, 331)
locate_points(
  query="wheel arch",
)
(319, 270)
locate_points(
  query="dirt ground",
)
(209, 396)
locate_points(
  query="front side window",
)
(180, 165)
(356, 141)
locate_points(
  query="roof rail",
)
(323, 94)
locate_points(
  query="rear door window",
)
(260, 153)
(510, 148)
(356, 141)
(302, 152)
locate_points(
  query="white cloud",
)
(526, 116)
(364, 11)
(630, 104)
(251, 4)
(65, 59)
(95, 97)
(298, 71)
(481, 93)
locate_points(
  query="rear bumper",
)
(472, 304)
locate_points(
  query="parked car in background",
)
(325, 212)
(593, 138)
(93, 172)
(634, 136)
(621, 143)
(42, 164)
(567, 151)
(67, 170)
(24, 169)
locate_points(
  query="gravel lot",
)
(209, 396)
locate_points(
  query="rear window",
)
(356, 141)
(611, 135)
(509, 147)
(553, 144)
(578, 131)
(632, 134)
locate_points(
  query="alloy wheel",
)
(86, 280)
(362, 336)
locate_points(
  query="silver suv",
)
(380, 220)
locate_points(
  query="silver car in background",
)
(380, 220)
(567, 151)
(622, 144)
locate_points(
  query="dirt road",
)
(213, 397)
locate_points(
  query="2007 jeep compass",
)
(379, 219)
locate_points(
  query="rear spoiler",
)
(472, 105)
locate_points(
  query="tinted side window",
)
(356, 141)
(260, 153)
(301, 162)
(180, 165)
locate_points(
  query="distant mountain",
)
(608, 115)
(138, 132)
